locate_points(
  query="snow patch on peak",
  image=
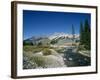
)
(58, 35)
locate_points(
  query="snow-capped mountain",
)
(55, 36)
(62, 35)
(58, 38)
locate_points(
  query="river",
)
(74, 59)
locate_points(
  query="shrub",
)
(46, 51)
(39, 60)
(81, 47)
(39, 44)
(27, 63)
(33, 49)
(27, 43)
(53, 41)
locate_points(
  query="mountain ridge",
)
(55, 35)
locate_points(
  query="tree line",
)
(85, 35)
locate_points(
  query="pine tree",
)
(87, 35)
(73, 33)
(81, 33)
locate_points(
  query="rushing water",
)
(73, 59)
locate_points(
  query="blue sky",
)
(37, 23)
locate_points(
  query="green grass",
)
(59, 50)
(35, 49)
(81, 47)
(29, 50)
(46, 51)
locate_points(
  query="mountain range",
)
(58, 37)
(62, 35)
(54, 36)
